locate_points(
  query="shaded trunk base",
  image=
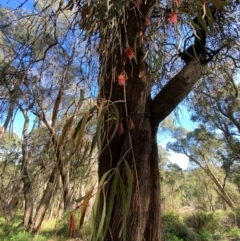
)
(144, 217)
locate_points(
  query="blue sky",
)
(184, 121)
(19, 121)
(15, 3)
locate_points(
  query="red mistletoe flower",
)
(122, 78)
(120, 129)
(129, 53)
(177, 1)
(173, 18)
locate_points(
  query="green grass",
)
(196, 226)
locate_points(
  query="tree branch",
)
(175, 91)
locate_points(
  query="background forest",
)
(61, 120)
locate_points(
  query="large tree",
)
(125, 79)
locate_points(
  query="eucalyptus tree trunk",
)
(139, 117)
(45, 201)
(27, 188)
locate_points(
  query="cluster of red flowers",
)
(129, 53)
(122, 78)
(120, 129)
(173, 18)
(173, 15)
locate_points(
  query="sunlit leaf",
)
(65, 129)
(84, 205)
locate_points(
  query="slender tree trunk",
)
(27, 189)
(67, 198)
(28, 204)
(45, 201)
(220, 188)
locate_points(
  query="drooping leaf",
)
(65, 129)
(102, 220)
(97, 136)
(114, 116)
(84, 205)
(96, 229)
(82, 123)
(201, 19)
(122, 232)
(111, 201)
(126, 199)
(129, 183)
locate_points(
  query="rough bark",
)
(138, 145)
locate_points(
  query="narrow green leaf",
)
(158, 60)
(111, 201)
(95, 209)
(135, 47)
(129, 181)
(83, 120)
(114, 113)
(209, 19)
(201, 20)
(102, 220)
(97, 133)
(128, 200)
(82, 128)
(124, 209)
(84, 205)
